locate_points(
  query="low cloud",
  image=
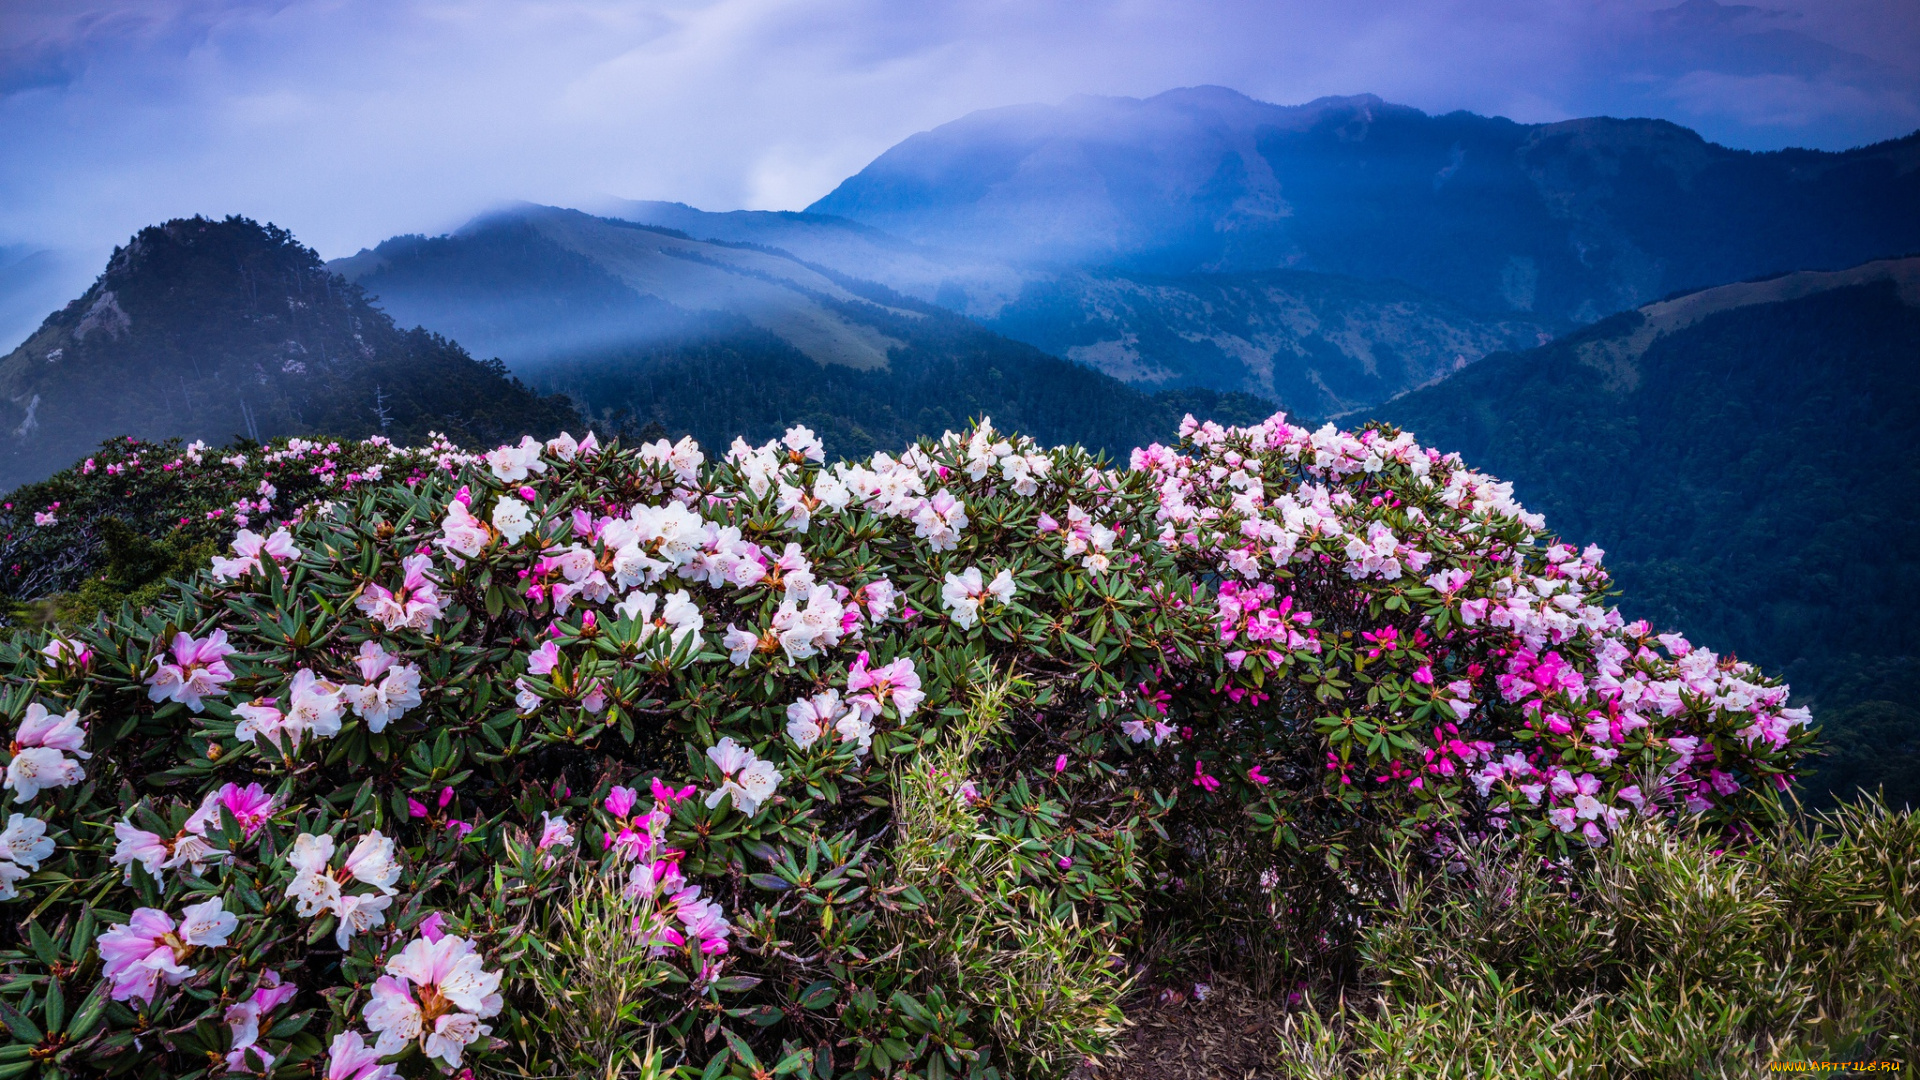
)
(351, 120)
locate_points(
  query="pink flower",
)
(541, 661)
(243, 1020)
(554, 832)
(148, 948)
(57, 651)
(435, 992)
(1254, 775)
(431, 927)
(1060, 764)
(350, 1058)
(896, 682)
(40, 749)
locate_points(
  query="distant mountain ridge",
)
(1564, 222)
(215, 329)
(1317, 343)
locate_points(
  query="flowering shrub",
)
(157, 503)
(338, 785)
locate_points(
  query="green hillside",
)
(1744, 456)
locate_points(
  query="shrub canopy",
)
(319, 805)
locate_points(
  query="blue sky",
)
(349, 121)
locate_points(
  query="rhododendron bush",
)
(56, 536)
(308, 815)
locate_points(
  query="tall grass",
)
(1669, 957)
(1049, 984)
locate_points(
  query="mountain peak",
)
(209, 329)
(1565, 222)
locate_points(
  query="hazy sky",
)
(350, 120)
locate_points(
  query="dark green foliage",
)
(212, 329)
(137, 514)
(738, 380)
(1752, 479)
(134, 570)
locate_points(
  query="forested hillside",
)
(1748, 466)
(731, 379)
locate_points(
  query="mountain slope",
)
(643, 325)
(538, 282)
(1567, 222)
(1744, 455)
(1317, 343)
(211, 329)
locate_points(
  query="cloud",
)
(351, 120)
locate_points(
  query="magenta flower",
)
(198, 670)
(870, 691)
(251, 806)
(621, 801)
(1201, 780)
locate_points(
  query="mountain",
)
(645, 325)
(1317, 343)
(537, 282)
(1744, 454)
(212, 329)
(1564, 223)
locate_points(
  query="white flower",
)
(10, 876)
(965, 592)
(25, 841)
(811, 718)
(313, 888)
(512, 463)
(36, 768)
(207, 924)
(359, 914)
(447, 976)
(748, 779)
(387, 700)
(855, 727)
(315, 704)
(740, 644)
(373, 861)
(510, 516)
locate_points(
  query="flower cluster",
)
(378, 740)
